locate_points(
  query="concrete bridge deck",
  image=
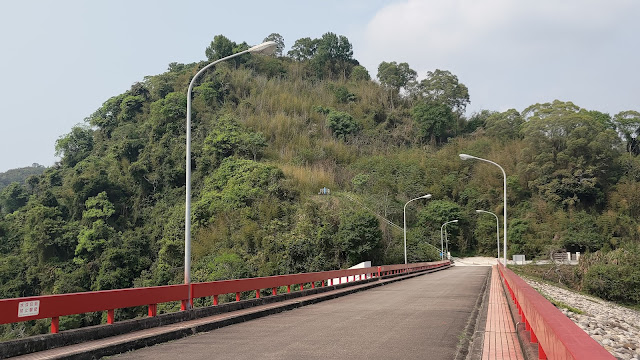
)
(419, 318)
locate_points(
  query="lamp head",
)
(478, 211)
(454, 221)
(466, 157)
(428, 196)
(266, 48)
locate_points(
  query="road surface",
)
(419, 318)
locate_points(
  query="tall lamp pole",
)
(441, 238)
(497, 229)
(266, 48)
(504, 215)
(428, 196)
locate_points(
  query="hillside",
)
(269, 133)
(19, 175)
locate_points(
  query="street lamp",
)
(266, 48)
(428, 196)
(497, 229)
(441, 239)
(504, 215)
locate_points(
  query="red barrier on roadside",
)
(558, 337)
(54, 306)
(270, 282)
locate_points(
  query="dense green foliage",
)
(267, 134)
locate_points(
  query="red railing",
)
(54, 306)
(557, 336)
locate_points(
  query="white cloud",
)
(442, 28)
(514, 53)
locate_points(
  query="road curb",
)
(471, 336)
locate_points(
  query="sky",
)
(60, 60)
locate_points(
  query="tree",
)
(435, 120)
(627, 124)
(229, 138)
(360, 73)
(75, 146)
(476, 121)
(442, 87)
(505, 125)
(219, 48)
(167, 114)
(395, 76)
(106, 118)
(279, 40)
(12, 198)
(569, 153)
(303, 49)
(130, 106)
(359, 237)
(436, 213)
(333, 56)
(388, 181)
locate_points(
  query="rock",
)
(629, 346)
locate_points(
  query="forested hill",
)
(19, 175)
(270, 132)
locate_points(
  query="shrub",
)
(342, 124)
(613, 275)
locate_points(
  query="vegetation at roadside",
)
(268, 133)
(562, 305)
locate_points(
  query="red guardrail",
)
(54, 306)
(557, 336)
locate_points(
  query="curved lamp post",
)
(428, 196)
(266, 48)
(504, 216)
(441, 238)
(497, 229)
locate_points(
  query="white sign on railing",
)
(29, 308)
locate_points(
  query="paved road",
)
(419, 318)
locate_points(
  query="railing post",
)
(54, 325)
(301, 287)
(313, 285)
(237, 296)
(110, 316)
(379, 272)
(215, 299)
(274, 291)
(288, 288)
(541, 354)
(153, 310)
(257, 293)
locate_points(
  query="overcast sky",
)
(60, 60)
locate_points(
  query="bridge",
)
(417, 311)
